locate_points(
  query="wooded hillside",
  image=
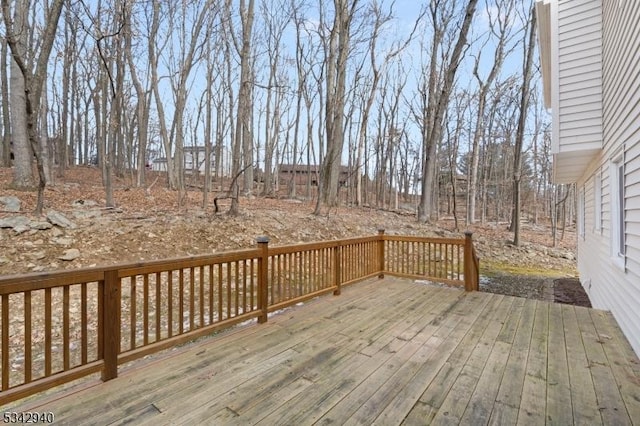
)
(430, 106)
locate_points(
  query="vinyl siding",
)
(610, 286)
(580, 75)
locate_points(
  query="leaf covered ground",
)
(148, 223)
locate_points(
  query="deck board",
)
(559, 410)
(583, 395)
(385, 352)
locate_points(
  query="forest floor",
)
(148, 223)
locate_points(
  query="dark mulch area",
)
(565, 290)
(570, 291)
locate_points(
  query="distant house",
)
(194, 160)
(300, 174)
(591, 74)
(159, 164)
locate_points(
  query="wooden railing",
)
(61, 326)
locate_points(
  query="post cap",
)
(262, 239)
(468, 233)
(380, 230)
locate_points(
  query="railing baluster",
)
(299, 276)
(145, 308)
(132, 311)
(324, 277)
(220, 292)
(5, 341)
(47, 332)
(237, 288)
(27, 336)
(460, 261)
(338, 253)
(181, 300)
(313, 276)
(244, 286)
(158, 306)
(279, 277)
(84, 333)
(272, 282)
(101, 315)
(252, 284)
(211, 294)
(229, 283)
(170, 304)
(201, 299)
(192, 301)
(285, 276)
(65, 328)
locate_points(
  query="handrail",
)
(101, 317)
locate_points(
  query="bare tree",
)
(336, 73)
(500, 24)
(276, 17)
(438, 94)
(5, 145)
(32, 79)
(243, 133)
(143, 99)
(529, 46)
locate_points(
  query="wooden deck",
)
(386, 351)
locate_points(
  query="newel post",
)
(469, 273)
(263, 278)
(381, 253)
(110, 324)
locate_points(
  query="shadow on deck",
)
(390, 351)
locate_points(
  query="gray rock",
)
(60, 220)
(86, 214)
(4, 260)
(62, 241)
(12, 222)
(21, 229)
(41, 226)
(38, 255)
(70, 254)
(10, 203)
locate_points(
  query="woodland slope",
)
(148, 223)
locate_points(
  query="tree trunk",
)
(524, 105)
(335, 99)
(5, 145)
(432, 136)
(22, 153)
(23, 178)
(243, 135)
(32, 80)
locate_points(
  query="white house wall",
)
(611, 286)
(580, 75)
